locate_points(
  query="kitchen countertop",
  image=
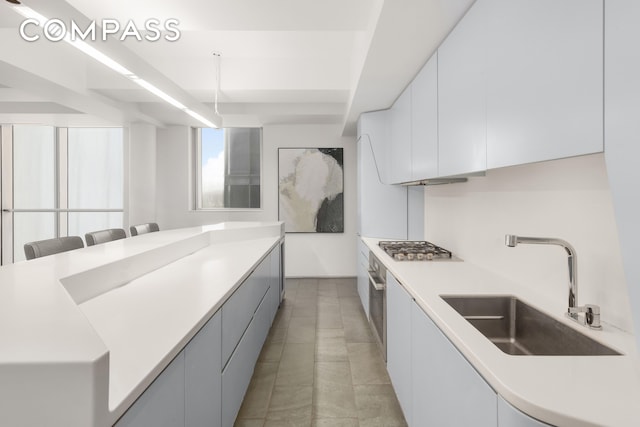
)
(85, 332)
(559, 390)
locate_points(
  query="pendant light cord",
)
(216, 59)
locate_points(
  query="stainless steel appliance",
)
(415, 251)
(378, 302)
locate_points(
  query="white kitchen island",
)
(84, 333)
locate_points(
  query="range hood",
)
(434, 181)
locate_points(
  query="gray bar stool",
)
(149, 227)
(42, 248)
(103, 236)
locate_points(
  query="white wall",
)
(567, 198)
(142, 174)
(308, 254)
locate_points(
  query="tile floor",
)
(320, 365)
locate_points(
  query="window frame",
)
(61, 208)
(196, 174)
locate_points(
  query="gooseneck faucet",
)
(592, 312)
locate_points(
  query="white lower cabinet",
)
(162, 404)
(363, 276)
(399, 343)
(447, 390)
(508, 416)
(236, 376)
(203, 386)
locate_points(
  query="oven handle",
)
(378, 285)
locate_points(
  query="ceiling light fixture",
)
(29, 13)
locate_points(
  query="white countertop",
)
(559, 390)
(87, 331)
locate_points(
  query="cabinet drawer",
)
(239, 309)
(237, 373)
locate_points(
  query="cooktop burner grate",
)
(414, 250)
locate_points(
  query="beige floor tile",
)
(331, 346)
(329, 317)
(271, 351)
(327, 289)
(333, 395)
(291, 404)
(356, 329)
(327, 300)
(287, 423)
(332, 373)
(302, 330)
(277, 334)
(335, 422)
(347, 288)
(305, 306)
(378, 406)
(249, 423)
(296, 365)
(367, 364)
(256, 400)
(336, 401)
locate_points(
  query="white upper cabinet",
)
(424, 122)
(382, 208)
(400, 148)
(376, 126)
(462, 117)
(544, 80)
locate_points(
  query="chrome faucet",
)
(591, 312)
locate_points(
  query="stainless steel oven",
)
(378, 302)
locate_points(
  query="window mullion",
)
(6, 192)
(62, 181)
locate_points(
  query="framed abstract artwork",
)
(310, 190)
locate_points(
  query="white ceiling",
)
(282, 61)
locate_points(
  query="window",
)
(59, 182)
(228, 164)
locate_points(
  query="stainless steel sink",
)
(518, 329)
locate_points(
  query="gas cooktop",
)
(414, 250)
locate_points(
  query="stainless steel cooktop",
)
(414, 250)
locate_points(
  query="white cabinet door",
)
(622, 131)
(377, 126)
(424, 122)
(508, 416)
(400, 154)
(363, 276)
(544, 80)
(382, 208)
(399, 343)
(447, 390)
(162, 404)
(462, 121)
(203, 378)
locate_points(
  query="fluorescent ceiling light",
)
(157, 92)
(99, 56)
(200, 118)
(29, 13)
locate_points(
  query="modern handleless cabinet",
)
(424, 122)
(163, 403)
(400, 143)
(444, 382)
(399, 343)
(462, 120)
(544, 80)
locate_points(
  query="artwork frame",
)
(311, 189)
